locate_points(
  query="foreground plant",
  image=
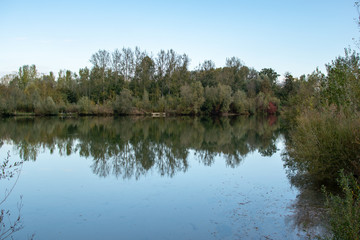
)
(344, 209)
(324, 142)
(8, 224)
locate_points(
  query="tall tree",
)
(127, 65)
(84, 82)
(116, 62)
(101, 60)
(271, 74)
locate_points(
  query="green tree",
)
(101, 61)
(271, 74)
(26, 75)
(144, 75)
(342, 85)
(192, 98)
(240, 102)
(123, 103)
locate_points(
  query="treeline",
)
(134, 82)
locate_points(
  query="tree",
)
(207, 74)
(239, 104)
(144, 75)
(217, 99)
(342, 85)
(123, 102)
(234, 63)
(160, 64)
(224, 98)
(26, 75)
(84, 82)
(116, 63)
(127, 65)
(288, 87)
(67, 85)
(271, 74)
(192, 97)
(6, 79)
(207, 65)
(101, 61)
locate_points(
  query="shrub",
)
(85, 105)
(123, 102)
(344, 211)
(239, 102)
(46, 107)
(192, 97)
(324, 142)
(217, 99)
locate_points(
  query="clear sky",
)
(287, 35)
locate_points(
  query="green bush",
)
(46, 107)
(85, 105)
(123, 103)
(344, 210)
(239, 102)
(192, 97)
(324, 142)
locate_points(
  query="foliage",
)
(154, 82)
(324, 142)
(123, 102)
(217, 99)
(8, 226)
(86, 106)
(307, 97)
(240, 102)
(47, 107)
(191, 98)
(342, 86)
(344, 210)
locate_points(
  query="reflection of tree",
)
(128, 147)
(308, 209)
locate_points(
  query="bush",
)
(192, 97)
(123, 102)
(85, 105)
(324, 142)
(239, 102)
(217, 99)
(344, 212)
(46, 107)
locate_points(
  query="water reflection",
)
(130, 147)
(308, 208)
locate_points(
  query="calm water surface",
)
(144, 178)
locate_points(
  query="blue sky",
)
(292, 35)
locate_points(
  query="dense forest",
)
(134, 82)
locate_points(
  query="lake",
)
(152, 178)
